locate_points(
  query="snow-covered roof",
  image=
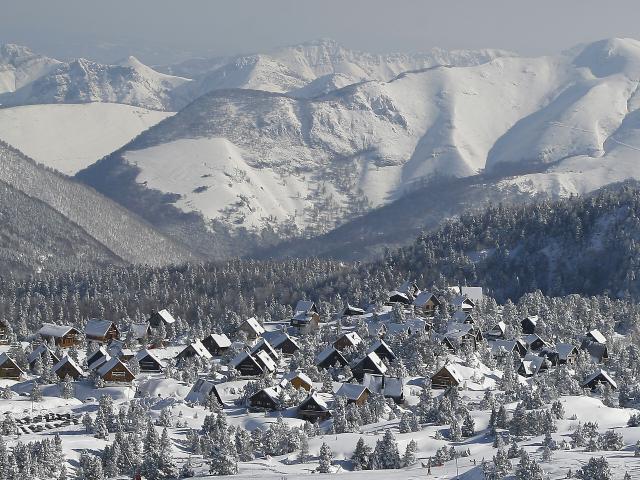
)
(272, 392)
(324, 354)
(462, 316)
(496, 345)
(393, 387)
(379, 343)
(39, 351)
(263, 344)
(533, 319)
(564, 350)
(303, 316)
(199, 349)
(254, 325)
(532, 363)
(499, 327)
(304, 306)
(407, 286)
(147, 353)
(221, 340)
(97, 328)
(139, 330)
(107, 366)
(352, 391)
(358, 310)
(598, 373)
(353, 338)
(264, 358)
(457, 330)
(375, 359)
(239, 358)
(301, 375)
(597, 336)
(57, 331)
(5, 358)
(64, 360)
(474, 293)
(396, 293)
(453, 371)
(280, 339)
(423, 297)
(166, 316)
(460, 300)
(200, 390)
(532, 337)
(320, 399)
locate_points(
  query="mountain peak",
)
(610, 56)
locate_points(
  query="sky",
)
(161, 31)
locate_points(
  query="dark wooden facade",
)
(313, 409)
(9, 368)
(68, 368)
(212, 344)
(264, 399)
(445, 378)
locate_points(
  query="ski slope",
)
(70, 137)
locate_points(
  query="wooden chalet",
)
(534, 342)
(97, 358)
(4, 332)
(67, 366)
(117, 349)
(383, 350)
(370, 363)
(351, 311)
(251, 365)
(195, 349)
(266, 399)
(389, 387)
(202, 390)
(347, 340)
(148, 361)
(498, 332)
(427, 303)
(252, 328)
(529, 324)
(461, 335)
(315, 407)
(102, 331)
(216, 343)
(115, 371)
(501, 348)
(299, 380)
(140, 331)
(595, 343)
(306, 317)
(561, 354)
(330, 357)
(598, 378)
(354, 393)
(161, 317)
(447, 376)
(63, 336)
(40, 352)
(405, 293)
(285, 344)
(461, 303)
(264, 346)
(9, 368)
(532, 365)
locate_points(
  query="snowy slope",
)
(70, 137)
(20, 66)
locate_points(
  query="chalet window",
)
(116, 374)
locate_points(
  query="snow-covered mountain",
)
(19, 66)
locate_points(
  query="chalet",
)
(97, 358)
(383, 350)
(264, 346)
(400, 297)
(500, 348)
(370, 363)
(347, 340)
(299, 380)
(251, 365)
(427, 303)
(162, 317)
(306, 317)
(474, 294)
(595, 343)
(9, 368)
(252, 328)
(533, 342)
(561, 354)
(498, 332)
(405, 293)
(66, 366)
(117, 349)
(148, 361)
(216, 343)
(416, 326)
(447, 376)
(102, 331)
(315, 407)
(4, 332)
(529, 324)
(285, 344)
(350, 311)
(62, 335)
(389, 387)
(266, 399)
(330, 357)
(195, 349)
(140, 331)
(39, 352)
(265, 361)
(114, 371)
(464, 317)
(354, 393)
(597, 378)
(532, 365)
(202, 390)
(461, 303)
(461, 334)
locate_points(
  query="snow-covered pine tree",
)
(325, 458)
(409, 457)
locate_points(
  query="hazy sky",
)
(162, 31)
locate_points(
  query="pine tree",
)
(36, 393)
(386, 455)
(224, 460)
(468, 426)
(325, 458)
(303, 456)
(361, 456)
(595, 469)
(528, 468)
(501, 464)
(67, 389)
(410, 454)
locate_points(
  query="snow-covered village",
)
(429, 383)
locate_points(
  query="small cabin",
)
(447, 376)
(315, 407)
(380, 348)
(351, 311)
(202, 390)
(389, 387)
(64, 336)
(299, 380)
(67, 366)
(529, 324)
(102, 331)
(285, 344)
(162, 317)
(595, 343)
(216, 343)
(561, 354)
(598, 378)
(266, 399)
(306, 316)
(9, 368)
(97, 358)
(427, 303)
(115, 371)
(532, 365)
(371, 363)
(330, 357)
(148, 361)
(347, 340)
(498, 332)
(534, 342)
(264, 346)
(140, 331)
(39, 352)
(500, 348)
(354, 393)
(462, 303)
(195, 349)
(252, 328)
(251, 365)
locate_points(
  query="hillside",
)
(19, 66)
(256, 161)
(51, 221)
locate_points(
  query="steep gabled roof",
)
(110, 365)
(302, 376)
(199, 349)
(320, 399)
(565, 349)
(221, 340)
(64, 361)
(326, 353)
(254, 325)
(352, 391)
(166, 316)
(39, 351)
(305, 306)
(597, 336)
(139, 330)
(97, 328)
(57, 331)
(604, 375)
(375, 359)
(4, 358)
(473, 293)
(453, 372)
(423, 297)
(144, 353)
(280, 339)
